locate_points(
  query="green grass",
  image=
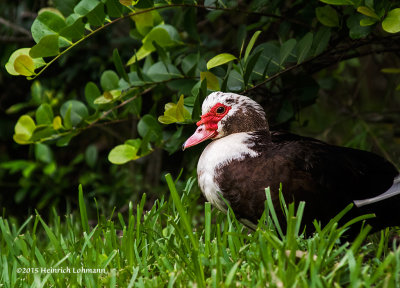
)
(171, 245)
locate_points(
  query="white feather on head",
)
(235, 101)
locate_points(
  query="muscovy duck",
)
(245, 157)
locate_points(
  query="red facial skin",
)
(208, 125)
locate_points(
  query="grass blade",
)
(82, 209)
(273, 213)
(181, 210)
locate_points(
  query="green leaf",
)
(175, 112)
(391, 23)
(367, 21)
(67, 117)
(109, 80)
(44, 114)
(37, 92)
(338, 2)
(122, 154)
(91, 155)
(160, 72)
(189, 63)
(17, 107)
(190, 23)
(47, 23)
(251, 44)
(43, 153)
(84, 7)
(200, 92)
(220, 59)
(66, 7)
(144, 22)
(24, 129)
(162, 54)
(149, 125)
(327, 16)
(43, 132)
(75, 28)
(119, 66)
(37, 62)
(139, 55)
(173, 141)
(23, 65)
(164, 35)
(235, 81)
(108, 97)
(134, 142)
(286, 49)
(356, 30)
(47, 47)
(250, 66)
(57, 123)
(321, 40)
(128, 2)
(183, 86)
(165, 119)
(97, 16)
(145, 146)
(368, 12)
(78, 112)
(212, 80)
(92, 92)
(63, 141)
(304, 47)
(391, 70)
(113, 8)
(143, 4)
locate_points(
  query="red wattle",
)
(211, 119)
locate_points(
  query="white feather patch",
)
(218, 153)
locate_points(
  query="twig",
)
(12, 39)
(329, 54)
(106, 113)
(14, 27)
(290, 68)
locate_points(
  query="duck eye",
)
(220, 110)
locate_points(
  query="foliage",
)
(160, 248)
(171, 64)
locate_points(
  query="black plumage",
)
(326, 177)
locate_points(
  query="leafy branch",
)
(335, 55)
(34, 75)
(172, 63)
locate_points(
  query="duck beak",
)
(201, 134)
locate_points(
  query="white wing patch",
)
(218, 153)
